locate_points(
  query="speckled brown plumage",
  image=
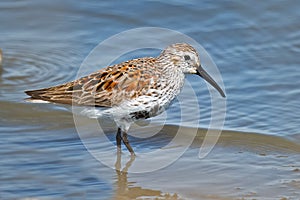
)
(107, 87)
(132, 90)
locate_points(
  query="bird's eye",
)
(187, 57)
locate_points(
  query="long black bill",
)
(208, 78)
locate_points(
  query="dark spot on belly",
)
(140, 115)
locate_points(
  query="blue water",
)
(255, 45)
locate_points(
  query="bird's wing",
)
(107, 87)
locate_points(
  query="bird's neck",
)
(171, 77)
(166, 65)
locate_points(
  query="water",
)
(256, 47)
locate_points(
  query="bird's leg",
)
(119, 139)
(126, 142)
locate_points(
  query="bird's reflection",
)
(126, 190)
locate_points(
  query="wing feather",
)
(106, 87)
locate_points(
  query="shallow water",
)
(256, 47)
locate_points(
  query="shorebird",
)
(132, 90)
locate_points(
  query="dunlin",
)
(132, 90)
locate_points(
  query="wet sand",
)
(241, 166)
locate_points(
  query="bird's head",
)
(186, 59)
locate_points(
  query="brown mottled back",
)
(106, 87)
